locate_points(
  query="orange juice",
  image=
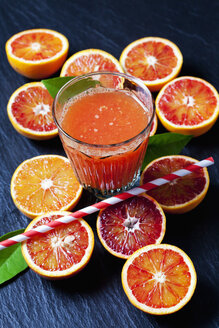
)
(106, 118)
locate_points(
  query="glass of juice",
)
(104, 120)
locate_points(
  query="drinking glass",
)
(105, 169)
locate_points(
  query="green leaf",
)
(165, 144)
(55, 84)
(11, 259)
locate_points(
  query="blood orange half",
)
(61, 252)
(37, 53)
(125, 227)
(182, 194)
(154, 60)
(188, 105)
(30, 112)
(159, 279)
(88, 61)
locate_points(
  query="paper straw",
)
(39, 231)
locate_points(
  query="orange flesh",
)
(128, 226)
(179, 191)
(170, 267)
(36, 46)
(90, 63)
(45, 184)
(32, 109)
(153, 126)
(59, 249)
(104, 118)
(187, 102)
(150, 61)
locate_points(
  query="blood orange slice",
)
(182, 194)
(159, 279)
(45, 183)
(188, 105)
(125, 227)
(37, 53)
(90, 60)
(30, 112)
(154, 126)
(61, 252)
(154, 60)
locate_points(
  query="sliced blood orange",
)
(37, 53)
(125, 227)
(154, 60)
(154, 126)
(159, 279)
(30, 112)
(88, 61)
(61, 252)
(188, 105)
(182, 194)
(45, 183)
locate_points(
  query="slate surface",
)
(95, 297)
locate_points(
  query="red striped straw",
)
(39, 231)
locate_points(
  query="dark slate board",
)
(95, 297)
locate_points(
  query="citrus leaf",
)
(165, 144)
(55, 84)
(11, 258)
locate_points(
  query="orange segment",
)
(61, 252)
(182, 194)
(30, 112)
(37, 53)
(159, 279)
(154, 60)
(43, 184)
(88, 61)
(125, 227)
(188, 105)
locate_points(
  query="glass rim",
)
(81, 77)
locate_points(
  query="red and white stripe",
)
(105, 203)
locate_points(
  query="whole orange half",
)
(159, 279)
(61, 252)
(188, 105)
(37, 53)
(182, 194)
(154, 60)
(88, 61)
(125, 227)
(30, 112)
(43, 184)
